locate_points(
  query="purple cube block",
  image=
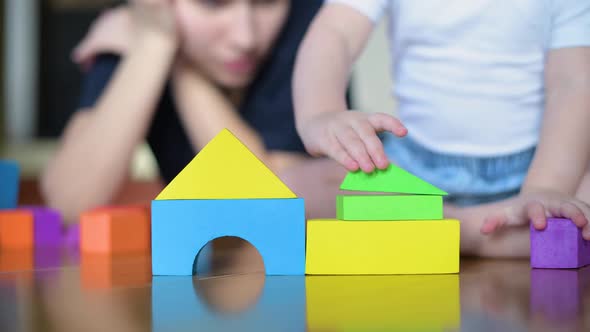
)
(47, 226)
(72, 236)
(559, 246)
(48, 257)
(557, 294)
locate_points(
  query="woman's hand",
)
(116, 30)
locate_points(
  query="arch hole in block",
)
(227, 255)
(230, 295)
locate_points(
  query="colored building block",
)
(12, 260)
(224, 169)
(389, 207)
(557, 294)
(9, 184)
(393, 179)
(47, 257)
(47, 226)
(275, 227)
(115, 230)
(560, 245)
(383, 303)
(29, 227)
(181, 304)
(382, 247)
(103, 271)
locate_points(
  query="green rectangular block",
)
(389, 207)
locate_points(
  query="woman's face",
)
(227, 39)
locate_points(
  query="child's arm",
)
(95, 152)
(334, 41)
(563, 153)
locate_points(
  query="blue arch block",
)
(9, 183)
(181, 228)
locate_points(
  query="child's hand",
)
(537, 207)
(350, 138)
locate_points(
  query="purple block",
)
(559, 246)
(72, 236)
(557, 294)
(47, 226)
(47, 257)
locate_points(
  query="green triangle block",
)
(392, 180)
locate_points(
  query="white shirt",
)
(468, 74)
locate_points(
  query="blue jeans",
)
(467, 180)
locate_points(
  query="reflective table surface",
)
(61, 290)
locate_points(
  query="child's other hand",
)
(350, 138)
(536, 207)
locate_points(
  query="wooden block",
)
(382, 247)
(392, 180)
(115, 230)
(389, 207)
(383, 303)
(225, 169)
(29, 227)
(275, 227)
(9, 184)
(559, 246)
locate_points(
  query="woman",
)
(176, 72)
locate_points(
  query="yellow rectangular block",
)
(382, 247)
(383, 303)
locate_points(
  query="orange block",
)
(16, 229)
(12, 260)
(115, 230)
(104, 271)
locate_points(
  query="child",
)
(494, 103)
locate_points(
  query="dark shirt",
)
(268, 106)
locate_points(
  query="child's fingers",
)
(586, 232)
(372, 143)
(535, 212)
(493, 222)
(569, 210)
(338, 153)
(355, 147)
(386, 122)
(507, 217)
(575, 212)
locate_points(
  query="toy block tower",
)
(227, 191)
(401, 230)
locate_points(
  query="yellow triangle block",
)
(225, 169)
